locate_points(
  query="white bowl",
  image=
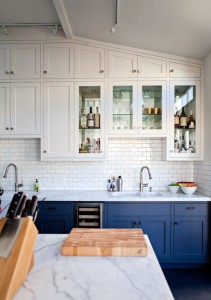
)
(189, 190)
(173, 188)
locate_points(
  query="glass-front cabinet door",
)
(185, 138)
(137, 108)
(152, 119)
(123, 107)
(90, 121)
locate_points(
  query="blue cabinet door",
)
(190, 238)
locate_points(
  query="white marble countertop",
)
(58, 277)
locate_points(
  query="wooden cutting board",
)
(105, 242)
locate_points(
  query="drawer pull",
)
(190, 207)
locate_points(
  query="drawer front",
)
(131, 209)
(191, 209)
(51, 208)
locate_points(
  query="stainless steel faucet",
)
(142, 185)
(17, 185)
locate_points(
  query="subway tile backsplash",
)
(125, 157)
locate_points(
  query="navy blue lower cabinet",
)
(149, 218)
(190, 238)
(55, 217)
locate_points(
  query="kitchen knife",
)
(35, 214)
(24, 212)
(14, 205)
(32, 207)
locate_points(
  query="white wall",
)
(125, 158)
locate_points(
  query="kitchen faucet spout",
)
(17, 185)
(142, 185)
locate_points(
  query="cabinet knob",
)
(101, 71)
(175, 223)
(190, 207)
(134, 71)
(7, 128)
(135, 223)
(172, 70)
(139, 71)
(7, 72)
(140, 223)
(12, 128)
(11, 72)
(44, 151)
(45, 72)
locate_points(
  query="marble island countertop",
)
(58, 277)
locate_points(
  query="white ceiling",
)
(179, 27)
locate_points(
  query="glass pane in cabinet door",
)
(122, 107)
(184, 119)
(152, 107)
(90, 134)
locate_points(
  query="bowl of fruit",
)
(173, 187)
(188, 187)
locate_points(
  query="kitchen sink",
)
(136, 194)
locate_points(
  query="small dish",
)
(173, 188)
(189, 190)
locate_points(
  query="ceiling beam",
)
(62, 14)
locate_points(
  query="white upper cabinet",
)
(126, 65)
(58, 138)
(20, 109)
(178, 70)
(89, 62)
(19, 61)
(58, 60)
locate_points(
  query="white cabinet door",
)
(4, 108)
(151, 67)
(89, 62)
(58, 60)
(25, 61)
(4, 61)
(25, 108)
(58, 120)
(122, 65)
(177, 70)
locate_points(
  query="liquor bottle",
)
(90, 118)
(183, 119)
(97, 118)
(191, 122)
(176, 120)
(83, 118)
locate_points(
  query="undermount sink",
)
(136, 194)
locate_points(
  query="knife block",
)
(17, 265)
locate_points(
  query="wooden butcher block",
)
(105, 242)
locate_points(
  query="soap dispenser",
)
(36, 186)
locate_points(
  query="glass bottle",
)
(83, 122)
(97, 118)
(90, 117)
(191, 122)
(176, 120)
(183, 119)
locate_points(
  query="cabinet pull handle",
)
(45, 72)
(7, 72)
(12, 128)
(44, 151)
(134, 71)
(172, 70)
(140, 223)
(135, 222)
(101, 71)
(11, 72)
(139, 71)
(7, 128)
(175, 223)
(190, 207)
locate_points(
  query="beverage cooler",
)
(88, 215)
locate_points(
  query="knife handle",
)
(24, 212)
(22, 206)
(32, 207)
(14, 205)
